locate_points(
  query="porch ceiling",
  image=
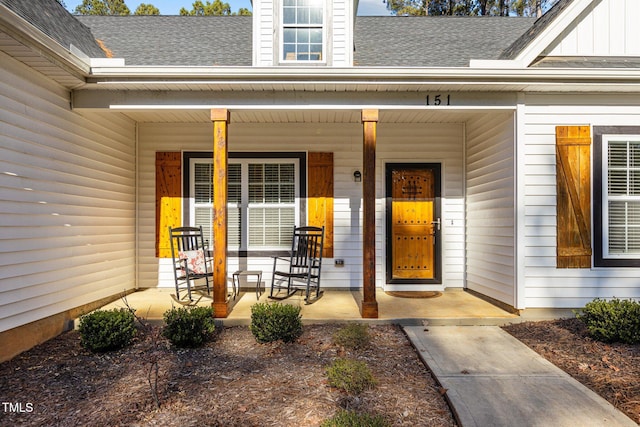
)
(303, 116)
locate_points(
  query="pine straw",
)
(611, 370)
(233, 381)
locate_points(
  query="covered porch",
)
(450, 307)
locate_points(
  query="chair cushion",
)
(195, 261)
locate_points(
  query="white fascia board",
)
(553, 30)
(496, 63)
(366, 76)
(106, 62)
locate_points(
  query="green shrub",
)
(612, 321)
(275, 321)
(350, 375)
(105, 330)
(344, 418)
(189, 326)
(353, 336)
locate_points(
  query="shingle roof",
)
(381, 41)
(55, 21)
(175, 40)
(538, 27)
(442, 41)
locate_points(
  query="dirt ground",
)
(234, 381)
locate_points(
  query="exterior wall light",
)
(357, 176)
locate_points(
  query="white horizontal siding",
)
(545, 285)
(608, 29)
(67, 200)
(396, 143)
(490, 220)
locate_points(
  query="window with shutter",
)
(617, 187)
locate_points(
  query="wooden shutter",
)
(320, 197)
(168, 199)
(573, 176)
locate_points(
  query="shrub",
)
(105, 330)
(612, 321)
(350, 375)
(275, 321)
(189, 326)
(353, 336)
(344, 418)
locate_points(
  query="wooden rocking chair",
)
(303, 265)
(191, 264)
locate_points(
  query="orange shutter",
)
(168, 199)
(320, 197)
(573, 176)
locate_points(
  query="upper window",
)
(302, 26)
(263, 200)
(617, 188)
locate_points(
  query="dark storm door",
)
(413, 223)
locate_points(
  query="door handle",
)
(436, 223)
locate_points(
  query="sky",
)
(172, 7)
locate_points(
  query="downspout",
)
(519, 211)
(137, 208)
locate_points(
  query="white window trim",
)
(323, 26)
(606, 138)
(244, 226)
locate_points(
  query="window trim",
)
(600, 135)
(301, 187)
(323, 27)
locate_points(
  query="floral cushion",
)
(195, 261)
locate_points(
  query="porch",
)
(451, 307)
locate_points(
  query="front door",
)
(413, 223)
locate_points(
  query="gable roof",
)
(163, 40)
(536, 29)
(55, 21)
(380, 41)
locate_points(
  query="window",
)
(302, 27)
(263, 196)
(617, 186)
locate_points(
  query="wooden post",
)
(220, 119)
(369, 306)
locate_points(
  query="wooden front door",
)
(413, 223)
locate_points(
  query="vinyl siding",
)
(608, 29)
(67, 190)
(490, 201)
(396, 143)
(545, 285)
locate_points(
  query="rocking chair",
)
(191, 264)
(304, 265)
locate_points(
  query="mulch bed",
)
(611, 370)
(232, 381)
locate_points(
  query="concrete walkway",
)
(492, 379)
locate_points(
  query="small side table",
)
(245, 273)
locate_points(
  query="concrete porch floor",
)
(452, 307)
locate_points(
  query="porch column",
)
(369, 306)
(220, 119)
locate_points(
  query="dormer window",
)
(303, 32)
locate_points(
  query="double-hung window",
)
(262, 201)
(618, 187)
(302, 30)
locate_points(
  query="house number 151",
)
(439, 100)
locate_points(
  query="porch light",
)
(357, 176)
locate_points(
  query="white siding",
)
(396, 143)
(490, 207)
(341, 34)
(67, 210)
(545, 285)
(609, 29)
(264, 33)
